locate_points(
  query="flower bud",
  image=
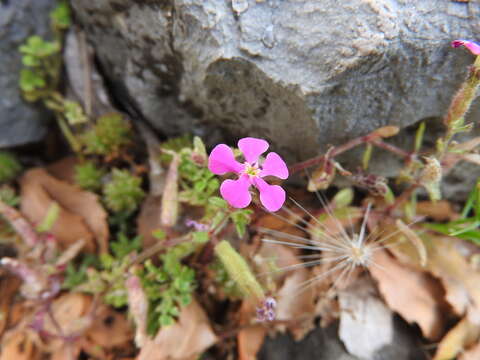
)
(431, 177)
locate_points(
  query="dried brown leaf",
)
(81, 215)
(19, 347)
(448, 262)
(416, 241)
(414, 294)
(387, 131)
(296, 303)
(473, 353)
(250, 338)
(250, 341)
(109, 329)
(439, 211)
(64, 169)
(149, 220)
(188, 337)
(457, 339)
(69, 311)
(170, 201)
(8, 287)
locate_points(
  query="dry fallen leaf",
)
(64, 169)
(249, 339)
(457, 339)
(8, 287)
(188, 337)
(296, 303)
(415, 240)
(19, 347)
(414, 294)
(69, 311)
(149, 220)
(439, 211)
(472, 353)
(81, 215)
(109, 329)
(448, 261)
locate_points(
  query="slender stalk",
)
(72, 140)
(371, 138)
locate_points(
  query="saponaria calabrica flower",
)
(251, 172)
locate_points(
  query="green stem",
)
(460, 105)
(72, 140)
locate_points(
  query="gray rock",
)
(301, 73)
(20, 122)
(323, 344)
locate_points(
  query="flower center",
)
(251, 170)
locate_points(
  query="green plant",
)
(61, 17)
(224, 281)
(88, 176)
(8, 196)
(467, 226)
(9, 166)
(109, 135)
(168, 287)
(77, 275)
(107, 273)
(123, 193)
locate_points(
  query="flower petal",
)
(274, 165)
(252, 148)
(222, 160)
(271, 196)
(470, 45)
(236, 192)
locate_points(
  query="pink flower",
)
(470, 45)
(236, 192)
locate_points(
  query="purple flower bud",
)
(196, 225)
(266, 312)
(270, 303)
(470, 45)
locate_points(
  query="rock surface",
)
(323, 344)
(301, 73)
(320, 71)
(20, 122)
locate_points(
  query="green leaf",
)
(419, 136)
(60, 16)
(30, 80)
(218, 202)
(124, 246)
(74, 113)
(49, 220)
(241, 218)
(159, 234)
(200, 237)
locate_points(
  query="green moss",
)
(124, 192)
(9, 166)
(88, 176)
(109, 135)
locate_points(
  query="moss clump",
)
(9, 166)
(109, 135)
(124, 192)
(88, 176)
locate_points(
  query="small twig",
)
(87, 73)
(20, 224)
(402, 198)
(372, 138)
(392, 149)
